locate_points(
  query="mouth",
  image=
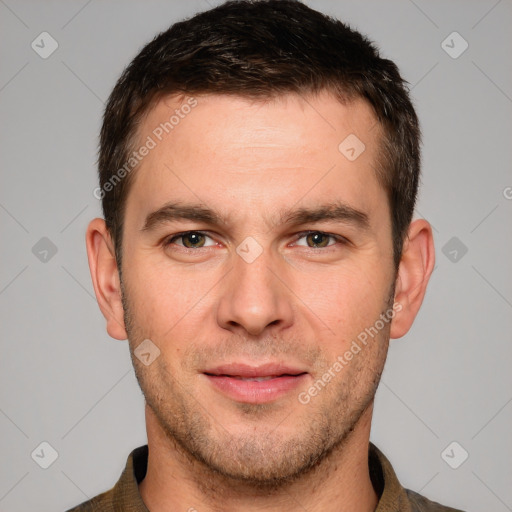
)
(255, 379)
(262, 384)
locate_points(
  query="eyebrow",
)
(336, 211)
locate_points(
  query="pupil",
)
(316, 238)
(193, 239)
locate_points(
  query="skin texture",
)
(297, 303)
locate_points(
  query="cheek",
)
(175, 300)
(165, 299)
(347, 300)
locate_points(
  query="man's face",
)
(256, 288)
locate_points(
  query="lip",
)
(245, 370)
(284, 379)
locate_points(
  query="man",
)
(259, 168)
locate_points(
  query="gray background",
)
(64, 381)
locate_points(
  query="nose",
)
(255, 297)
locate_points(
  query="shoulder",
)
(103, 502)
(125, 494)
(421, 504)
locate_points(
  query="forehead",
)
(237, 155)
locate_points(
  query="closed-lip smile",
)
(255, 384)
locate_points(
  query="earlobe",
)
(416, 266)
(105, 277)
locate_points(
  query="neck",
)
(177, 481)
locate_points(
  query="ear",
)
(416, 266)
(105, 277)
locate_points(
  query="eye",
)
(190, 240)
(198, 240)
(319, 239)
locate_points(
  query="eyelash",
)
(343, 241)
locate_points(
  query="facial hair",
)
(267, 455)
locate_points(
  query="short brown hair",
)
(263, 49)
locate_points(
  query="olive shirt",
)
(125, 496)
